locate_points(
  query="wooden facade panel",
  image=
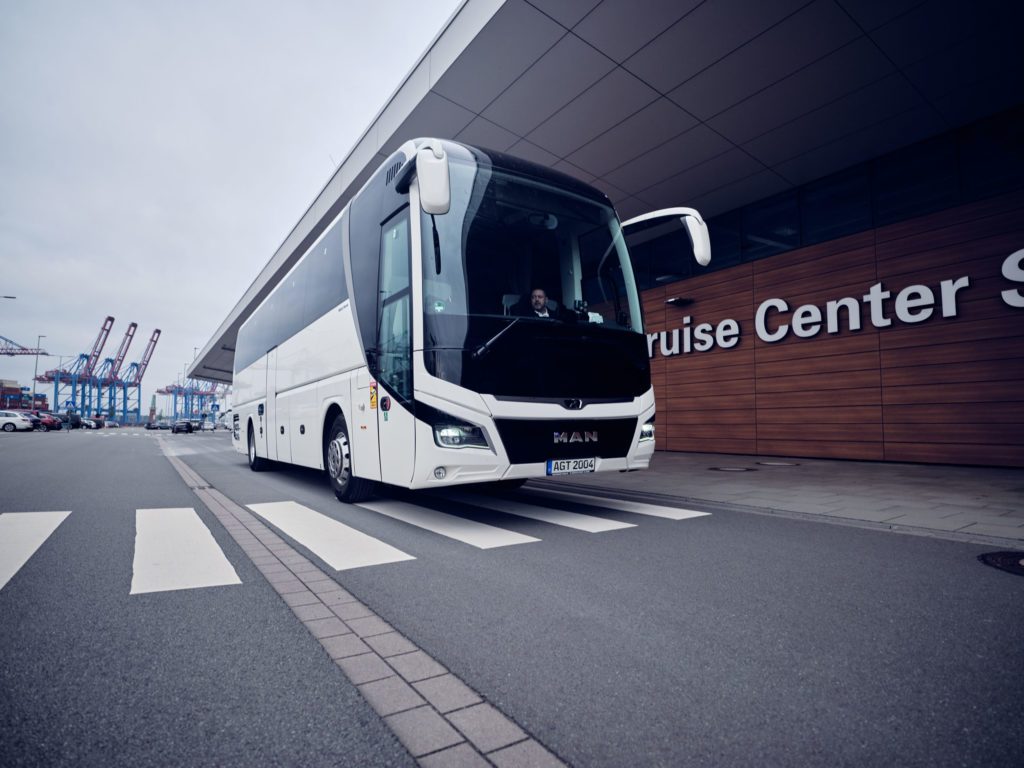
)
(959, 434)
(711, 282)
(955, 373)
(806, 366)
(867, 432)
(692, 374)
(823, 345)
(950, 453)
(956, 413)
(821, 449)
(738, 306)
(714, 403)
(719, 389)
(825, 399)
(715, 430)
(977, 392)
(767, 385)
(838, 414)
(975, 256)
(688, 416)
(862, 274)
(957, 352)
(681, 365)
(966, 222)
(715, 445)
(834, 269)
(947, 389)
(819, 251)
(949, 330)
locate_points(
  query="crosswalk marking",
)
(21, 534)
(574, 520)
(175, 550)
(335, 543)
(636, 507)
(470, 532)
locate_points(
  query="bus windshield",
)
(509, 245)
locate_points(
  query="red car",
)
(48, 421)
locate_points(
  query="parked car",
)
(11, 421)
(36, 421)
(164, 425)
(88, 424)
(183, 425)
(48, 421)
(152, 425)
(111, 425)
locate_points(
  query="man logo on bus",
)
(575, 437)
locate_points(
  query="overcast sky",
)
(154, 155)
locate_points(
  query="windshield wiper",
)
(484, 348)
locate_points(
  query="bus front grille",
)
(531, 441)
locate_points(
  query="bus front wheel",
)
(338, 464)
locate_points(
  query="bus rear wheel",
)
(256, 464)
(338, 465)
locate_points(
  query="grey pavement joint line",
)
(434, 714)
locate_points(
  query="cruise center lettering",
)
(775, 320)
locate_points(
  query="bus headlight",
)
(459, 434)
(647, 431)
(451, 431)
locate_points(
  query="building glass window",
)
(770, 226)
(970, 163)
(917, 180)
(992, 155)
(835, 206)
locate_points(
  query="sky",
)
(154, 155)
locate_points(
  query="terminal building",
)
(861, 168)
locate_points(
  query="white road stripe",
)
(21, 534)
(175, 550)
(335, 543)
(469, 532)
(575, 520)
(636, 507)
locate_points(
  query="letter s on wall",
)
(1013, 269)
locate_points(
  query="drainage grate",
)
(1011, 562)
(732, 469)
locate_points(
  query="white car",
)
(10, 421)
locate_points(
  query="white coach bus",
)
(403, 347)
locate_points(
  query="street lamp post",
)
(36, 373)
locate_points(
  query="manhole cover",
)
(732, 469)
(778, 463)
(1011, 562)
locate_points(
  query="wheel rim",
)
(337, 459)
(252, 449)
(8, 427)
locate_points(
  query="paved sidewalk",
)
(980, 504)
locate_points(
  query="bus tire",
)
(338, 465)
(256, 464)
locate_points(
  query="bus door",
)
(270, 415)
(395, 423)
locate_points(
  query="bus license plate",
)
(571, 466)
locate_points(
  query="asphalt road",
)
(729, 639)
(92, 675)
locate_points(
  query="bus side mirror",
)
(432, 174)
(696, 229)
